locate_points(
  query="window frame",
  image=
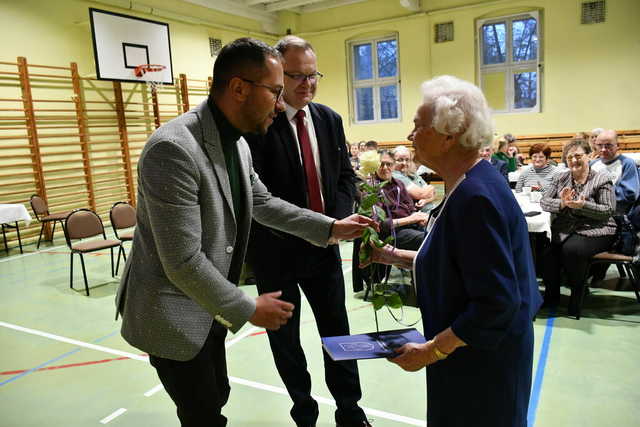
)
(376, 83)
(510, 67)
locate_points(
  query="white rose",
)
(369, 162)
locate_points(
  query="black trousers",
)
(326, 296)
(199, 387)
(573, 256)
(409, 237)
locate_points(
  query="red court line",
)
(70, 365)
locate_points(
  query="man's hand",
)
(419, 218)
(271, 313)
(351, 227)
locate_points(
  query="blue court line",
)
(55, 359)
(542, 363)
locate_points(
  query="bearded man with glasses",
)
(303, 159)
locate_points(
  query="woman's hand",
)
(419, 218)
(575, 204)
(413, 357)
(383, 255)
(566, 195)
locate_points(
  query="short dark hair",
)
(289, 42)
(245, 57)
(371, 144)
(540, 148)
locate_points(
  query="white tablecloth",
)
(536, 224)
(10, 213)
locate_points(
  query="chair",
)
(625, 262)
(41, 211)
(80, 224)
(122, 215)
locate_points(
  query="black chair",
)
(81, 224)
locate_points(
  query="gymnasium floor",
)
(63, 362)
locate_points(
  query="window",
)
(509, 53)
(374, 80)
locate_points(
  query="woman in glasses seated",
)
(581, 202)
(538, 176)
(403, 219)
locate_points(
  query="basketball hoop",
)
(142, 69)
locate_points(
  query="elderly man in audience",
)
(581, 201)
(403, 220)
(538, 176)
(418, 189)
(486, 153)
(622, 169)
(504, 154)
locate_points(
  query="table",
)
(12, 213)
(536, 224)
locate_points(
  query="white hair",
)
(401, 149)
(597, 131)
(459, 107)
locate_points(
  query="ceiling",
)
(266, 11)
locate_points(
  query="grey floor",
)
(63, 362)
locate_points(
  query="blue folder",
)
(370, 346)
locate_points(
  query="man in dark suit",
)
(197, 193)
(303, 160)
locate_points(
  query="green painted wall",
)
(591, 75)
(59, 32)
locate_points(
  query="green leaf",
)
(380, 212)
(394, 301)
(369, 200)
(388, 240)
(365, 253)
(378, 302)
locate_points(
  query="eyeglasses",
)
(275, 90)
(299, 77)
(386, 164)
(605, 146)
(576, 157)
(402, 160)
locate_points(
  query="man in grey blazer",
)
(197, 193)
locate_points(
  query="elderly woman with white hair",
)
(474, 273)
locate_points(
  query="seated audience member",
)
(486, 153)
(362, 147)
(582, 202)
(418, 189)
(504, 155)
(513, 149)
(402, 218)
(539, 174)
(622, 169)
(595, 153)
(354, 152)
(371, 146)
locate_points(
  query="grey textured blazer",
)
(175, 282)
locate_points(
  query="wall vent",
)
(593, 12)
(215, 45)
(444, 32)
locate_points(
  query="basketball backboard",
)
(121, 42)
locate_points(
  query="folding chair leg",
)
(635, 277)
(40, 236)
(112, 271)
(84, 273)
(53, 230)
(120, 251)
(71, 274)
(621, 271)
